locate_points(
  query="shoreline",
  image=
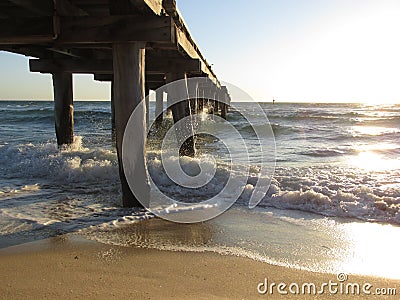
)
(73, 267)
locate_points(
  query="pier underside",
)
(137, 45)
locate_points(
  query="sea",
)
(333, 203)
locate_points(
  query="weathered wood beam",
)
(170, 7)
(3, 15)
(113, 132)
(32, 51)
(67, 8)
(184, 41)
(41, 8)
(150, 78)
(71, 66)
(159, 106)
(129, 90)
(154, 6)
(225, 91)
(106, 66)
(147, 101)
(113, 29)
(48, 7)
(63, 52)
(26, 30)
(191, 49)
(177, 93)
(103, 77)
(63, 108)
(163, 66)
(87, 30)
(144, 7)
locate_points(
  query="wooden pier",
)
(138, 45)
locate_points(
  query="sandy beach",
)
(73, 268)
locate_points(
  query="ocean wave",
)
(337, 192)
(314, 116)
(362, 205)
(324, 152)
(87, 172)
(72, 164)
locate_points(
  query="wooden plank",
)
(46, 7)
(148, 6)
(184, 39)
(114, 29)
(103, 77)
(67, 8)
(170, 7)
(70, 66)
(26, 30)
(90, 30)
(143, 7)
(30, 50)
(165, 65)
(227, 98)
(41, 8)
(155, 6)
(150, 78)
(186, 44)
(120, 7)
(87, 66)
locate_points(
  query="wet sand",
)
(73, 268)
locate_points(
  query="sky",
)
(292, 50)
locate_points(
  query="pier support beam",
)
(193, 95)
(226, 101)
(200, 105)
(113, 134)
(181, 110)
(159, 106)
(147, 99)
(224, 109)
(129, 91)
(63, 108)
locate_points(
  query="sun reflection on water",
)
(371, 161)
(371, 157)
(372, 130)
(371, 249)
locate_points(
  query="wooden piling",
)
(147, 99)
(113, 134)
(181, 110)
(225, 102)
(129, 91)
(216, 107)
(159, 106)
(193, 96)
(223, 110)
(63, 108)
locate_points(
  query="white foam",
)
(334, 195)
(79, 186)
(74, 163)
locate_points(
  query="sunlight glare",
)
(374, 162)
(366, 241)
(372, 130)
